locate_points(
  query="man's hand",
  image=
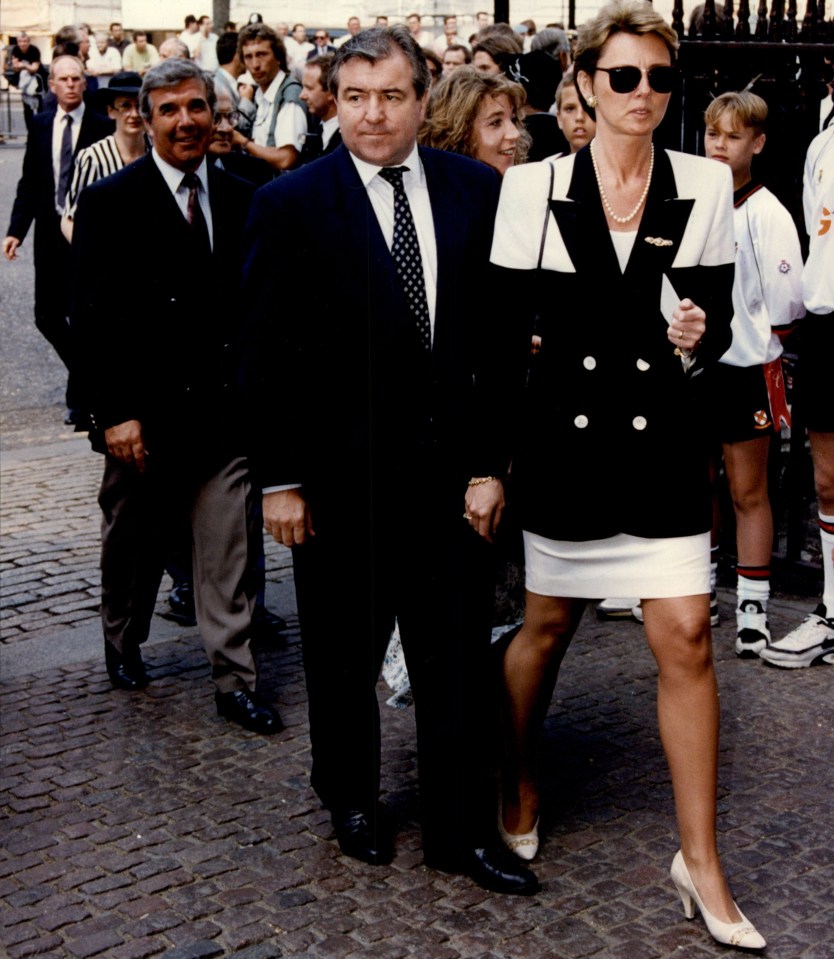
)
(126, 444)
(10, 245)
(484, 506)
(287, 517)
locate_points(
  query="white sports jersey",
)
(767, 290)
(818, 202)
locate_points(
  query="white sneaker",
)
(752, 631)
(810, 644)
(637, 610)
(616, 608)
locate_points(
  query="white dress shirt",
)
(328, 128)
(58, 125)
(381, 195)
(173, 179)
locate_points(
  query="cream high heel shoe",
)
(525, 845)
(742, 934)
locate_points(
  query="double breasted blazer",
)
(156, 317)
(612, 438)
(330, 328)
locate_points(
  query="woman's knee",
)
(678, 631)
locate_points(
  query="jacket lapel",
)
(582, 223)
(584, 230)
(663, 223)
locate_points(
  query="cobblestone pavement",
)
(139, 825)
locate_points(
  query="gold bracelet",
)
(481, 480)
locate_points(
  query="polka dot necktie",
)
(406, 253)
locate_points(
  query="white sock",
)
(713, 568)
(827, 537)
(757, 589)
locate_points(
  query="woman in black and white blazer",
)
(628, 252)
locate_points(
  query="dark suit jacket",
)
(613, 436)
(363, 396)
(156, 319)
(35, 200)
(329, 50)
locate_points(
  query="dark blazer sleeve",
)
(32, 184)
(274, 291)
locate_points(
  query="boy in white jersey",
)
(812, 642)
(748, 397)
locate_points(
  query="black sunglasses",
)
(626, 79)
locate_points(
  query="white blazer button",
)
(642, 365)
(589, 363)
(639, 422)
(581, 421)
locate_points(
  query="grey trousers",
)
(137, 515)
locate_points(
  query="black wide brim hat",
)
(124, 84)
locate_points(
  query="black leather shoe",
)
(245, 708)
(494, 868)
(126, 669)
(364, 837)
(181, 604)
(267, 627)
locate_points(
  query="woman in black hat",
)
(128, 143)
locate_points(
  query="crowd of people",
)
(448, 204)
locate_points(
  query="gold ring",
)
(467, 516)
(680, 334)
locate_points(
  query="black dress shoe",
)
(245, 708)
(364, 837)
(181, 604)
(494, 868)
(267, 627)
(126, 669)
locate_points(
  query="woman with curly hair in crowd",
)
(478, 115)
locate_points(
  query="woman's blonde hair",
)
(453, 107)
(620, 16)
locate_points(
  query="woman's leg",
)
(679, 637)
(531, 665)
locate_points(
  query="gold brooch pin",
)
(658, 241)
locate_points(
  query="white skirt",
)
(621, 565)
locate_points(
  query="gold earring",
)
(592, 101)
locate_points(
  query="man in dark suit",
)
(54, 139)
(322, 45)
(397, 419)
(158, 373)
(323, 130)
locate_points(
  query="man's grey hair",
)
(379, 43)
(171, 73)
(552, 40)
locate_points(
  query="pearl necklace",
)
(607, 205)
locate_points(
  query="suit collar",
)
(173, 176)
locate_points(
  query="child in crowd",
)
(748, 394)
(812, 642)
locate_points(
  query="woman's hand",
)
(484, 506)
(689, 322)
